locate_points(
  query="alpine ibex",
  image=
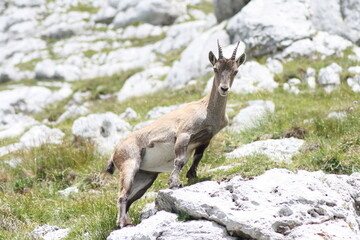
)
(167, 144)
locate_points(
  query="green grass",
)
(83, 8)
(28, 193)
(28, 66)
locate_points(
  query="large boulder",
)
(228, 8)
(35, 137)
(279, 150)
(156, 12)
(104, 130)
(281, 23)
(164, 225)
(194, 60)
(278, 205)
(146, 82)
(337, 17)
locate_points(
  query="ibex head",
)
(225, 69)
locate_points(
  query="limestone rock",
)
(70, 190)
(105, 130)
(278, 205)
(142, 83)
(47, 232)
(252, 115)
(164, 225)
(278, 26)
(279, 150)
(194, 59)
(105, 15)
(274, 65)
(329, 77)
(354, 83)
(129, 114)
(310, 78)
(156, 12)
(72, 112)
(227, 9)
(12, 125)
(157, 112)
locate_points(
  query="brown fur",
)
(188, 129)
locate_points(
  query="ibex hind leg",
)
(142, 182)
(128, 171)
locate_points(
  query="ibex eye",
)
(215, 70)
(235, 72)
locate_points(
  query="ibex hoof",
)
(124, 222)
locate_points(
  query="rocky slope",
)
(50, 48)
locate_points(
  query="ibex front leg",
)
(181, 147)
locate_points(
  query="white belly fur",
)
(160, 158)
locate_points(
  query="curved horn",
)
(220, 50)
(234, 53)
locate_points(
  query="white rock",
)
(158, 112)
(105, 15)
(300, 48)
(330, 76)
(12, 125)
(35, 137)
(252, 116)
(72, 112)
(274, 65)
(327, 44)
(277, 205)
(156, 12)
(47, 232)
(63, 30)
(310, 78)
(278, 26)
(253, 77)
(336, 18)
(142, 83)
(280, 150)
(355, 69)
(142, 124)
(354, 83)
(70, 190)
(14, 162)
(164, 225)
(294, 81)
(129, 114)
(105, 130)
(337, 115)
(45, 69)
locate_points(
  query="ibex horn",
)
(220, 50)
(234, 53)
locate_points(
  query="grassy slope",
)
(29, 193)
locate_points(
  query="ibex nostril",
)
(224, 89)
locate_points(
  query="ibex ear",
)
(241, 59)
(212, 58)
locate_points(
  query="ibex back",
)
(167, 144)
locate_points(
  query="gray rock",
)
(164, 225)
(227, 9)
(142, 124)
(63, 30)
(45, 69)
(158, 112)
(279, 150)
(149, 80)
(252, 116)
(277, 205)
(277, 28)
(47, 232)
(329, 77)
(105, 130)
(149, 210)
(156, 12)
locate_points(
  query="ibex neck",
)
(217, 103)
